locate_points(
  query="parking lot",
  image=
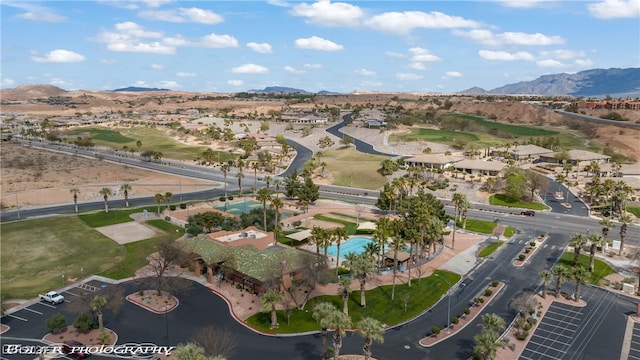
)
(554, 334)
(634, 350)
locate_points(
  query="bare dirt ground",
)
(32, 177)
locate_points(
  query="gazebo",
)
(300, 235)
(367, 225)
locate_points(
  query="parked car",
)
(71, 348)
(52, 297)
(528, 213)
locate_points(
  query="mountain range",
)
(595, 83)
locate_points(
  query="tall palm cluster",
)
(609, 195)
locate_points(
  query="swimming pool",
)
(353, 245)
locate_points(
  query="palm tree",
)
(344, 291)
(579, 275)
(338, 234)
(75, 192)
(625, 220)
(225, 170)
(464, 208)
(361, 267)
(371, 330)
(277, 183)
(264, 195)
(562, 274)
(595, 240)
(255, 166)
(240, 176)
(276, 204)
(167, 196)
(487, 341)
(380, 235)
(105, 192)
(457, 201)
(606, 224)
(125, 188)
(269, 301)
(546, 277)
(97, 305)
(139, 145)
(320, 314)
(339, 322)
(397, 243)
(578, 241)
(158, 198)
(492, 322)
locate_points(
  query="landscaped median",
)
(469, 314)
(151, 301)
(528, 251)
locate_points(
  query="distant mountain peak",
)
(139, 89)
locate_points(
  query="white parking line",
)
(47, 305)
(37, 312)
(18, 317)
(67, 301)
(70, 293)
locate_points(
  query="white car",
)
(52, 297)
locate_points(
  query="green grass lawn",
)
(152, 139)
(600, 268)
(479, 226)
(635, 210)
(36, 253)
(432, 135)
(419, 297)
(351, 227)
(489, 249)
(509, 231)
(352, 168)
(505, 200)
(517, 130)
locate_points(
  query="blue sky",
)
(231, 46)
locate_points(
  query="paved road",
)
(359, 144)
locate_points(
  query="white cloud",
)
(35, 12)
(263, 48)
(7, 82)
(524, 3)
(250, 69)
(550, 63)
(155, 3)
(279, 3)
(293, 70)
(131, 37)
(218, 41)
(107, 61)
(417, 66)
(59, 56)
(612, 9)
(312, 66)
(452, 74)
(182, 15)
(584, 62)
(169, 84)
(394, 54)
(422, 55)
(486, 37)
(403, 23)
(408, 76)
(235, 82)
(505, 56)
(157, 66)
(563, 54)
(317, 43)
(185, 74)
(365, 72)
(326, 13)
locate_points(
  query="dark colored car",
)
(70, 349)
(528, 213)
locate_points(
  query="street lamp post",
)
(448, 301)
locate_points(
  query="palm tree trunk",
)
(395, 271)
(100, 321)
(323, 333)
(338, 258)
(592, 257)
(337, 344)
(363, 299)
(366, 349)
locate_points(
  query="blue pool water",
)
(353, 245)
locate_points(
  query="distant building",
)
(432, 161)
(576, 157)
(491, 168)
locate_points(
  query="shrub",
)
(454, 320)
(488, 292)
(141, 292)
(222, 198)
(467, 311)
(527, 250)
(435, 330)
(104, 337)
(522, 334)
(56, 322)
(183, 206)
(167, 218)
(230, 197)
(495, 283)
(521, 257)
(527, 326)
(532, 321)
(83, 323)
(480, 300)
(172, 207)
(532, 243)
